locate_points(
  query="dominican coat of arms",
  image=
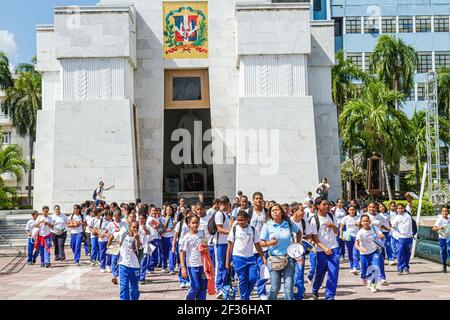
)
(185, 30)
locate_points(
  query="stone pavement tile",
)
(65, 282)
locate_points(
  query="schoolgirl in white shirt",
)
(351, 224)
(95, 249)
(442, 226)
(340, 213)
(384, 213)
(378, 221)
(75, 225)
(31, 258)
(394, 233)
(191, 260)
(146, 238)
(370, 255)
(241, 240)
(181, 229)
(130, 243)
(154, 224)
(403, 224)
(113, 229)
(101, 228)
(43, 242)
(88, 217)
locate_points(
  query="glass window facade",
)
(405, 24)
(442, 60)
(425, 62)
(371, 25)
(353, 25)
(420, 92)
(367, 61)
(441, 24)
(423, 24)
(356, 58)
(388, 25)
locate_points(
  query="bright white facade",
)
(103, 115)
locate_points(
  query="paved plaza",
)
(64, 281)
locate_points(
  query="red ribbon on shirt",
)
(40, 241)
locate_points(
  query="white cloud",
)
(8, 43)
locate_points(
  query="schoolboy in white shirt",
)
(442, 226)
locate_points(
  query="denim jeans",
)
(275, 281)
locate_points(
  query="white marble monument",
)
(269, 68)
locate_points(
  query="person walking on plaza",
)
(88, 217)
(387, 234)
(370, 255)
(340, 213)
(98, 193)
(403, 225)
(324, 232)
(241, 240)
(113, 229)
(167, 238)
(278, 234)
(101, 228)
(31, 256)
(44, 241)
(191, 259)
(351, 224)
(95, 249)
(442, 226)
(59, 233)
(323, 188)
(130, 244)
(75, 225)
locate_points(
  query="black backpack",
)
(212, 227)
(414, 224)
(250, 212)
(316, 218)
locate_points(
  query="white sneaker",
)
(263, 297)
(391, 262)
(102, 270)
(183, 285)
(373, 288)
(108, 269)
(383, 282)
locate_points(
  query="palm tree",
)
(395, 63)
(23, 100)
(11, 162)
(343, 76)
(444, 91)
(370, 122)
(5, 73)
(418, 142)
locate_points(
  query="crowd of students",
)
(244, 241)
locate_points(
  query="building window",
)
(186, 89)
(405, 24)
(367, 61)
(371, 25)
(6, 138)
(355, 58)
(317, 5)
(338, 27)
(388, 25)
(411, 96)
(420, 92)
(425, 62)
(353, 25)
(442, 60)
(441, 24)
(423, 24)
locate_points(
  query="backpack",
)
(316, 218)
(414, 224)
(212, 227)
(303, 226)
(250, 212)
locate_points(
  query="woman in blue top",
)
(167, 238)
(277, 235)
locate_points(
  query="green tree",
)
(23, 100)
(444, 91)
(5, 74)
(369, 122)
(343, 76)
(395, 63)
(13, 163)
(417, 142)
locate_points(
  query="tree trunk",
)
(386, 176)
(417, 176)
(30, 171)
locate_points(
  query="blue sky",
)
(18, 20)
